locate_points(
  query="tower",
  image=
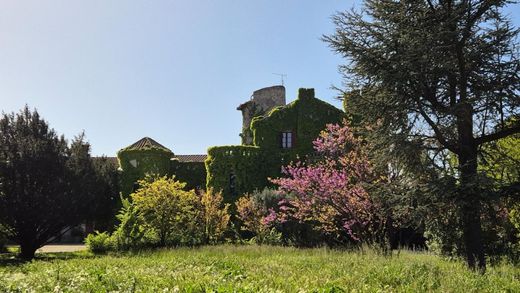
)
(261, 102)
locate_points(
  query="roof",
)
(111, 160)
(190, 158)
(146, 143)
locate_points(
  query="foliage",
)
(251, 215)
(146, 161)
(306, 117)
(45, 185)
(329, 194)
(100, 242)
(250, 166)
(3, 240)
(255, 213)
(442, 75)
(215, 216)
(500, 160)
(235, 170)
(251, 268)
(130, 233)
(170, 211)
(192, 173)
(105, 188)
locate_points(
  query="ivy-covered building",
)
(147, 156)
(275, 136)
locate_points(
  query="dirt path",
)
(61, 248)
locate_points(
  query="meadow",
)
(229, 268)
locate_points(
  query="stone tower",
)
(261, 102)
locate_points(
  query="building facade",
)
(273, 134)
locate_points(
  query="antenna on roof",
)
(282, 76)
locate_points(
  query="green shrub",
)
(171, 212)
(268, 237)
(131, 233)
(100, 242)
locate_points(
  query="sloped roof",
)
(190, 158)
(146, 143)
(111, 160)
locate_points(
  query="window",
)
(287, 140)
(232, 181)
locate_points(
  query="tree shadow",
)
(11, 258)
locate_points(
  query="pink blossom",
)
(331, 189)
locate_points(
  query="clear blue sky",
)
(171, 70)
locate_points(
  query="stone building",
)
(271, 139)
(147, 156)
(273, 134)
(262, 101)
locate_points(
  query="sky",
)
(174, 71)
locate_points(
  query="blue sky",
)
(171, 70)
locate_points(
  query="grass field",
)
(251, 269)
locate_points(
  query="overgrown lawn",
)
(252, 269)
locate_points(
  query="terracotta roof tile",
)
(146, 143)
(190, 158)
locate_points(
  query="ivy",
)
(192, 173)
(236, 170)
(135, 164)
(306, 117)
(239, 169)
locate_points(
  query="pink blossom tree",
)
(330, 192)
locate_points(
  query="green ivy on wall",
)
(192, 173)
(251, 166)
(306, 117)
(135, 164)
(236, 170)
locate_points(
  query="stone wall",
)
(262, 101)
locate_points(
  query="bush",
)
(215, 216)
(100, 242)
(170, 212)
(268, 237)
(131, 233)
(257, 215)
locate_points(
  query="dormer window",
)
(287, 140)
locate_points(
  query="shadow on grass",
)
(11, 258)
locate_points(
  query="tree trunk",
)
(469, 193)
(27, 250)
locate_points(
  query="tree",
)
(330, 193)
(42, 181)
(215, 216)
(105, 190)
(442, 76)
(169, 210)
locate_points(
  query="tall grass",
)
(254, 269)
